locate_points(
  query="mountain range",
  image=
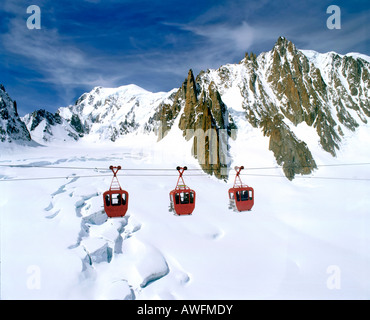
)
(276, 92)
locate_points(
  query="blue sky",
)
(153, 44)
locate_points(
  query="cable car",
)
(241, 196)
(182, 198)
(115, 199)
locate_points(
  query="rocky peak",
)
(280, 90)
(283, 45)
(42, 114)
(11, 126)
(302, 92)
(42, 125)
(190, 92)
(204, 114)
(191, 89)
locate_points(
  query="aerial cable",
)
(172, 175)
(50, 167)
(96, 176)
(203, 172)
(171, 169)
(309, 177)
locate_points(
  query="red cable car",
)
(115, 199)
(241, 196)
(182, 198)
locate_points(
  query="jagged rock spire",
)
(11, 127)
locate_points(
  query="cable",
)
(85, 168)
(98, 176)
(50, 167)
(204, 172)
(49, 178)
(173, 175)
(310, 166)
(172, 169)
(309, 177)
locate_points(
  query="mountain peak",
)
(283, 45)
(282, 41)
(11, 126)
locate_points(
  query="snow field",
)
(57, 243)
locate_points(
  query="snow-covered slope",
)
(300, 241)
(100, 115)
(108, 113)
(46, 127)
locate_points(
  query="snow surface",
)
(107, 111)
(57, 243)
(314, 55)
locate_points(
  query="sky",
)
(82, 44)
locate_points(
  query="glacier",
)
(57, 242)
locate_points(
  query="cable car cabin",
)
(182, 198)
(115, 203)
(241, 199)
(241, 196)
(115, 199)
(182, 201)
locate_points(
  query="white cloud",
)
(44, 50)
(240, 37)
(54, 61)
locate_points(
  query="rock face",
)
(12, 129)
(292, 154)
(278, 91)
(204, 116)
(46, 127)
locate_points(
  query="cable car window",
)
(107, 200)
(177, 198)
(231, 195)
(118, 199)
(238, 196)
(191, 197)
(245, 195)
(184, 197)
(250, 194)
